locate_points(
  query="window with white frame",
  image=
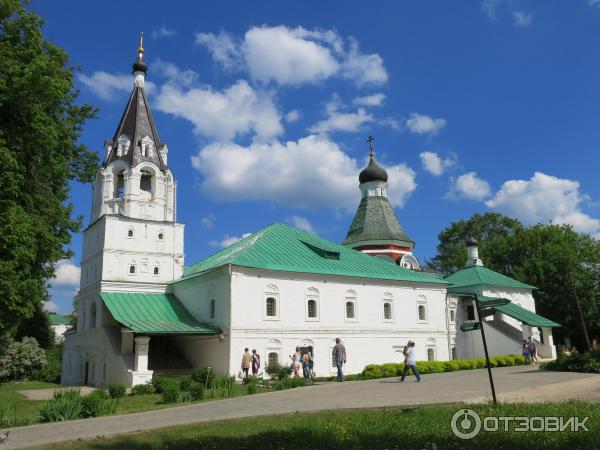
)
(452, 315)
(350, 312)
(123, 144)
(312, 304)
(161, 235)
(132, 268)
(430, 354)
(147, 145)
(271, 303)
(421, 309)
(388, 307)
(130, 233)
(156, 270)
(272, 358)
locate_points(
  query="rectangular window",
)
(470, 312)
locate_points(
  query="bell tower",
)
(375, 229)
(133, 236)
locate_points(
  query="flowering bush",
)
(22, 359)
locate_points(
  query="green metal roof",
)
(524, 315)
(281, 247)
(153, 314)
(480, 275)
(60, 319)
(375, 221)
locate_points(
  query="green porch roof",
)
(153, 314)
(524, 315)
(480, 275)
(60, 319)
(281, 247)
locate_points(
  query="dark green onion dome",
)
(373, 172)
(470, 242)
(140, 66)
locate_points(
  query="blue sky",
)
(476, 106)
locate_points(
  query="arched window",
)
(350, 305)
(146, 181)
(430, 354)
(271, 307)
(161, 236)
(422, 314)
(213, 307)
(123, 144)
(312, 309)
(272, 358)
(120, 185)
(312, 304)
(93, 315)
(452, 315)
(132, 268)
(130, 233)
(156, 270)
(387, 311)
(147, 147)
(350, 310)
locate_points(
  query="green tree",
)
(40, 125)
(562, 264)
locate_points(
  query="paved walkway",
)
(512, 384)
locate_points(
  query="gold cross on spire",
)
(141, 49)
(370, 141)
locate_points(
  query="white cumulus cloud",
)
(470, 186)
(302, 223)
(109, 86)
(224, 115)
(164, 32)
(310, 172)
(294, 56)
(66, 274)
(228, 240)
(435, 165)
(292, 116)
(370, 100)
(423, 124)
(542, 199)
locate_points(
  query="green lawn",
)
(392, 428)
(16, 410)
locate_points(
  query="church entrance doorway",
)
(164, 355)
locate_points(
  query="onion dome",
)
(373, 172)
(470, 241)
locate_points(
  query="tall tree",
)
(40, 125)
(562, 264)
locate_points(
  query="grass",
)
(390, 428)
(16, 410)
(20, 410)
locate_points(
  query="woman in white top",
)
(296, 362)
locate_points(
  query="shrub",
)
(278, 372)
(479, 363)
(97, 404)
(223, 387)
(116, 390)
(22, 360)
(157, 383)
(452, 366)
(251, 385)
(575, 362)
(186, 397)
(203, 375)
(66, 404)
(289, 383)
(519, 359)
(297, 382)
(390, 369)
(184, 384)
(372, 371)
(52, 372)
(196, 391)
(170, 391)
(142, 389)
(9, 417)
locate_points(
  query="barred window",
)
(349, 310)
(312, 309)
(387, 311)
(422, 315)
(273, 358)
(271, 307)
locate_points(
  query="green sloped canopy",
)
(524, 315)
(281, 247)
(153, 314)
(60, 319)
(480, 275)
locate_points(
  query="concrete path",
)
(512, 384)
(47, 394)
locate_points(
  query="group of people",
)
(529, 351)
(250, 360)
(304, 361)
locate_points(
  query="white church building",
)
(141, 312)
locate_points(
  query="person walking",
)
(255, 362)
(306, 367)
(296, 364)
(310, 353)
(410, 362)
(339, 354)
(532, 350)
(246, 362)
(525, 351)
